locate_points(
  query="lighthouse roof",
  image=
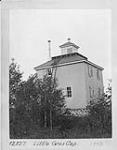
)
(67, 44)
(62, 59)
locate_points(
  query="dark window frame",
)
(49, 71)
(69, 92)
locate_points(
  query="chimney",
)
(49, 48)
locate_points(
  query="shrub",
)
(99, 118)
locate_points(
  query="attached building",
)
(80, 79)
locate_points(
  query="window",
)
(91, 92)
(99, 92)
(69, 92)
(90, 71)
(98, 74)
(69, 50)
(49, 71)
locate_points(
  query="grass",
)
(76, 128)
(74, 133)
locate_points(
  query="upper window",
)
(69, 50)
(98, 74)
(69, 92)
(49, 71)
(90, 71)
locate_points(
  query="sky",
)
(30, 30)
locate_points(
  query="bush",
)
(100, 117)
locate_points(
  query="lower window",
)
(69, 92)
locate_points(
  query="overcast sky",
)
(31, 29)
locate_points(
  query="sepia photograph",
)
(60, 81)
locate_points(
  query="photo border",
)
(7, 143)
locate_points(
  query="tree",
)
(15, 78)
(108, 92)
(100, 117)
(50, 98)
(33, 102)
(33, 99)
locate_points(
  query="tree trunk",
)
(45, 119)
(51, 120)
